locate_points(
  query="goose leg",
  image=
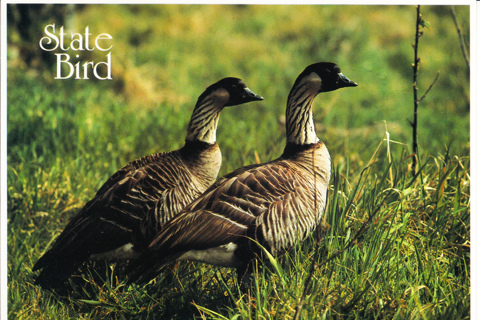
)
(245, 277)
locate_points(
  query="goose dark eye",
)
(237, 89)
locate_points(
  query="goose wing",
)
(118, 213)
(263, 199)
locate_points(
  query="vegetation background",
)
(398, 245)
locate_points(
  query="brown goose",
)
(277, 203)
(134, 203)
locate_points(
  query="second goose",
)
(277, 203)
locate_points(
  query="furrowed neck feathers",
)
(299, 116)
(204, 120)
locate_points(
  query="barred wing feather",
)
(267, 202)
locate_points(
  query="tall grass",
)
(396, 247)
(398, 264)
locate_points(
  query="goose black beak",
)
(252, 96)
(345, 82)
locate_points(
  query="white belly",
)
(220, 256)
(125, 252)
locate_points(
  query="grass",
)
(398, 246)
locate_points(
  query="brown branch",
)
(415, 89)
(460, 37)
(426, 92)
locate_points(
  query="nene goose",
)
(277, 203)
(134, 203)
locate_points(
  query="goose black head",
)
(330, 75)
(233, 90)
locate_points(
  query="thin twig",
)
(435, 80)
(460, 37)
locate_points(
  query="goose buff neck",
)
(225, 93)
(204, 120)
(316, 78)
(299, 116)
